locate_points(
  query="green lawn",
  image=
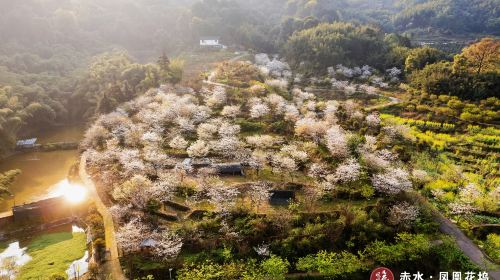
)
(53, 253)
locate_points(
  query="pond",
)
(41, 171)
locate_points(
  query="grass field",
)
(197, 63)
(52, 253)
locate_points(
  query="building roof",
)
(48, 202)
(148, 243)
(228, 168)
(209, 38)
(25, 142)
(197, 161)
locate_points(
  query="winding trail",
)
(112, 266)
(209, 80)
(466, 245)
(393, 101)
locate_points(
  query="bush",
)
(249, 126)
(330, 264)
(492, 246)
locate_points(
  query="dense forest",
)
(64, 60)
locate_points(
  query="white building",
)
(210, 42)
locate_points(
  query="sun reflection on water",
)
(73, 193)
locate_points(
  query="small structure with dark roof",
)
(281, 197)
(233, 169)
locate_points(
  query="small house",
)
(26, 143)
(211, 41)
(197, 162)
(147, 245)
(229, 169)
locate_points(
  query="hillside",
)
(252, 176)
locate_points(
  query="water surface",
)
(41, 171)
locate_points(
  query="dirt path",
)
(393, 101)
(112, 266)
(468, 247)
(210, 76)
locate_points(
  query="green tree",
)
(164, 63)
(7, 179)
(331, 264)
(420, 57)
(275, 268)
(176, 70)
(106, 103)
(408, 247)
(58, 276)
(329, 44)
(205, 271)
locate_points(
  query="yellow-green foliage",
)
(492, 246)
(237, 73)
(51, 254)
(417, 123)
(441, 184)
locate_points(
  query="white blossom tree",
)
(178, 143)
(403, 214)
(135, 191)
(221, 196)
(318, 171)
(131, 161)
(392, 181)
(348, 171)
(461, 208)
(227, 130)
(167, 245)
(120, 212)
(310, 128)
(291, 113)
(130, 236)
(257, 160)
(226, 146)
(336, 141)
(207, 131)
(198, 149)
(373, 120)
(259, 192)
(259, 110)
(295, 152)
(277, 83)
(262, 250)
(283, 164)
(231, 111)
(218, 97)
(261, 141)
(163, 189)
(95, 137)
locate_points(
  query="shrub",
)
(330, 264)
(492, 246)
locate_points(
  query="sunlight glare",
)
(73, 193)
